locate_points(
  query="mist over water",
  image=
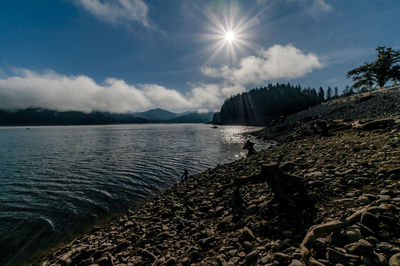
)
(54, 181)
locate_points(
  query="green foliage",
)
(383, 70)
(261, 105)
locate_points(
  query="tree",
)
(384, 69)
(329, 93)
(336, 95)
(321, 94)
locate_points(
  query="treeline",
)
(262, 105)
(38, 116)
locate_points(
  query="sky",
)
(180, 55)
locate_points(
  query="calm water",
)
(55, 180)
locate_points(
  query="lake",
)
(56, 181)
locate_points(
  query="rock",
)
(232, 252)
(194, 256)
(371, 221)
(380, 259)
(335, 256)
(361, 247)
(252, 257)
(282, 258)
(296, 263)
(247, 246)
(252, 209)
(224, 223)
(206, 242)
(171, 261)
(248, 234)
(353, 234)
(265, 259)
(147, 254)
(395, 260)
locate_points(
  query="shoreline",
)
(193, 223)
(346, 155)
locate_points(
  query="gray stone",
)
(248, 234)
(353, 234)
(296, 263)
(395, 260)
(370, 221)
(247, 246)
(252, 257)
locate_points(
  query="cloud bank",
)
(277, 62)
(60, 92)
(51, 90)
(118, 11)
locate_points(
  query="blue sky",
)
(133, 55)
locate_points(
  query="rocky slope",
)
(352, 175)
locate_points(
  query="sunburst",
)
(230, 32)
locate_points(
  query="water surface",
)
(55, 180)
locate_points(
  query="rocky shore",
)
(349, 164)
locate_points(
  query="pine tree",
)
(321, 94)
(329, 93)
(384, 69)
(336, 95)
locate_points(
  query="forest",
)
(260, 106)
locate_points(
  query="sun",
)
(230, 36)
(229, 31)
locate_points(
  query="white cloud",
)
(321, 5)
(312, 6)
(277, 62)
(51, 90)
(165, 98)
(118, 11)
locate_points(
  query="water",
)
(54, 181)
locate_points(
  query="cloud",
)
(312, 6)
(51, 90)
(277, 62)
(119, 11)
(321, 5)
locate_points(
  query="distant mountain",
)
(156, 115)
(193, 118)
(39, 116)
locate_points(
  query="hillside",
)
(157, 114)
(193, 118)
(377, 104)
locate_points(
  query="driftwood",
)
(317, 231)
(288, 189)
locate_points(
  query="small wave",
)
(49, 222)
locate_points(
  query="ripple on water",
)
(56, 180)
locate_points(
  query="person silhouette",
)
(185, 175)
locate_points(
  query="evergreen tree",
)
(336, 95)
(329, 93)
(384, 69)
(321, 94)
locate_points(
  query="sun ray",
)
(230, 30)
